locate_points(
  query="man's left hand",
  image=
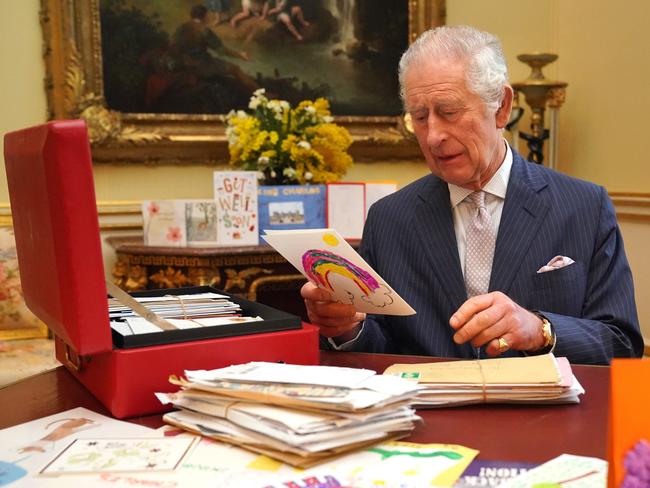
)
(484, 319)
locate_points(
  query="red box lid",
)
(54, 211)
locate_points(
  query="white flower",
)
(304, 145)
(285, 105)
(241, 114)
(273, 173)
(260, 175)
(231, 135)
(310, 109)
(257, 99)
(276, 106)
(289, 172)
(262, 161)
(308, 175)
(328, 118)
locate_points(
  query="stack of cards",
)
(182, 311)
(301, 415)
(533, 379)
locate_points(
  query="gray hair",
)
(486, 70)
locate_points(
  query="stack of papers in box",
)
(532, 379)
(301, 415)
(182, 311)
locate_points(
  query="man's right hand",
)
(334, 319)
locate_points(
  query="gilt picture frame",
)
(76, 88)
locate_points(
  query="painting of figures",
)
(188, 57)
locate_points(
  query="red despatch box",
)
(54, 211)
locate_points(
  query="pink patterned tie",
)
(479, 252)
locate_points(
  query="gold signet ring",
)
(503, 345)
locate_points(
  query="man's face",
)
(459, 136)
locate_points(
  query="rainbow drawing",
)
(319, 264)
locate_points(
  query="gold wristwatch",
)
(547, 332)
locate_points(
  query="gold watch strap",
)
(547, 332)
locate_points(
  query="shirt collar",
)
(497, 185)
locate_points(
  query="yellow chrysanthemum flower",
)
(288, 146)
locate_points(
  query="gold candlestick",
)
(538, 92)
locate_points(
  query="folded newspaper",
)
(531, 379)
(301, 415)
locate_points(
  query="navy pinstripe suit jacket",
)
(409, 239)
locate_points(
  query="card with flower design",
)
(120, 455)
(236, 195)
(164, 223)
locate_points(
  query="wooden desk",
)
(257, 273)
(501, 432)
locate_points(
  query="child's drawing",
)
(329, 261)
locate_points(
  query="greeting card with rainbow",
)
(328, 261)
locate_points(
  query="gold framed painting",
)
(153, 79)
(16, 320)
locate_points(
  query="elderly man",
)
(499, 256)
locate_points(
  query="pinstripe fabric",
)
(409, 239)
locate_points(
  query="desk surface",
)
(531, 433)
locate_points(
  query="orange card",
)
(629, 421)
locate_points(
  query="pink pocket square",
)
(556, 263)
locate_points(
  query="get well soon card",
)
(328, 261)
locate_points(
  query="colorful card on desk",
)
(87, 456)
(236, 196)
(26, 448)
(164, 223)
(563, 471)
(491, 473)
(629, 422)
(390, 464)
(326, 260)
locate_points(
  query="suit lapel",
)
(434, 227)
(524, 210)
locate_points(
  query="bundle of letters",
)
(532, 379)
(181, 311)
(301, 415)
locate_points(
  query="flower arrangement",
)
(288, 145)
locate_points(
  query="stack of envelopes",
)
(532, 379)
(301, 415)
(182, 311)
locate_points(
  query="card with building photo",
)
(164, 223)
(201, 222)
(236, 195)
(285, 207)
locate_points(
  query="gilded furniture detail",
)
(204, 276)
(129, 278)
(170, 278)
(236, 280)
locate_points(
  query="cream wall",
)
(603, 56)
